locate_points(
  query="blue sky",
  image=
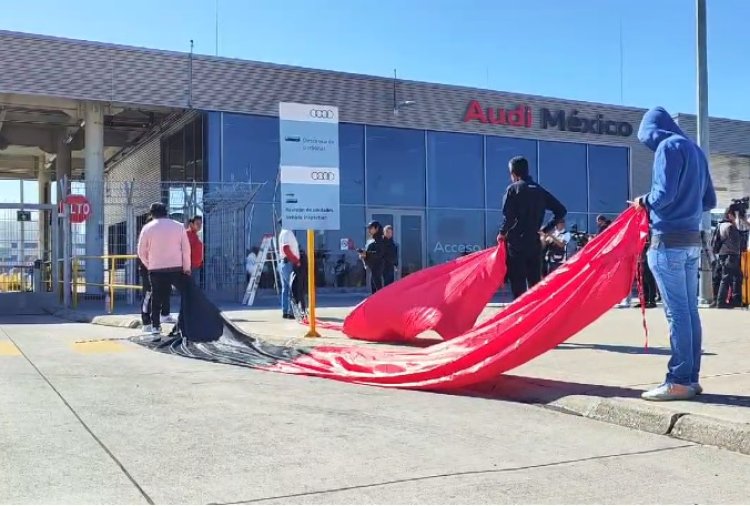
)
(562, 48)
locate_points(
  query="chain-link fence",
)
(226, 209)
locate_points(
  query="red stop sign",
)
(79, 208)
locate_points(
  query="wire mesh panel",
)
(226, 209)
(28, 263)
(228, 219)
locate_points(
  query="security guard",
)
(524, 206)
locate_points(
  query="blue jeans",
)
(285, 272)
(676, 274)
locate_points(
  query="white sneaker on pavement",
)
(168, 319)
(669, 392)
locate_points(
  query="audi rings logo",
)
(322, 113)
(322, 176)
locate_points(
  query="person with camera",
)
(524, 206)
(727, 246)
(374, 255)
(557, 245)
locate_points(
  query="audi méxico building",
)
(431, 159)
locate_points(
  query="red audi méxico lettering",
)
(519, 116)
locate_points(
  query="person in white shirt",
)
(557, 245)
(251, 261)
(290, 258)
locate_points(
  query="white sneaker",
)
(168, 319)
(670, 392)
(154, 333)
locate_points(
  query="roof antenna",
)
(190, 76)
(396, 104)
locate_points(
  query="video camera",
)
(581, 238)
(740, 207)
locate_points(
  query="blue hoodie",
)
(681, 188)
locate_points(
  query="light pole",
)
(703, 132)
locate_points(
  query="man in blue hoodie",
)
(681, 191)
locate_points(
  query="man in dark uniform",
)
(390, 250)
(374, 256)
(524, 206)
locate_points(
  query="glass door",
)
(409, 235)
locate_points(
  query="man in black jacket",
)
(373, 255)
(524, 205)
(390, 251)
(728, 248)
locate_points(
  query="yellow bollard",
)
(311, 283)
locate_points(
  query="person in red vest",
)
(195, 224)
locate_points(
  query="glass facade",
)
(444, 190)
(182, 153)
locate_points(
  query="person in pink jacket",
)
(164, 249)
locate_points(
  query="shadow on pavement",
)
(330, 319)
(542, 391)
(614, 348)
(30, 319)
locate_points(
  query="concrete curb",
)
(713, 431)
(630, 413)
(643, 417)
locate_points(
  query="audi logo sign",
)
(323, 176)
(322, 114)
(308, 113)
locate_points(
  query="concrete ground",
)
(599, 373)
(87, 418)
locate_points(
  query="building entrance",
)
(409, 234)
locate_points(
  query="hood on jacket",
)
(656, 126)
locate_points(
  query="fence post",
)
(74, 283)
(111, 277)
(130, 231)
(66, 246)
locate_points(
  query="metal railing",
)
(111, 283)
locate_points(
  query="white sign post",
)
(310, 178)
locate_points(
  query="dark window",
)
(578, 221)
(499, 152)
(176, 167)
(562, 171)
(608, 180)
(213, 145)
(251, 152)
(455, 170)
(200, 141)
(189, 170)
(352, 161)
(492, 227)
(395, 167)
(182, 153)
(453, 233)
(336, 251)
